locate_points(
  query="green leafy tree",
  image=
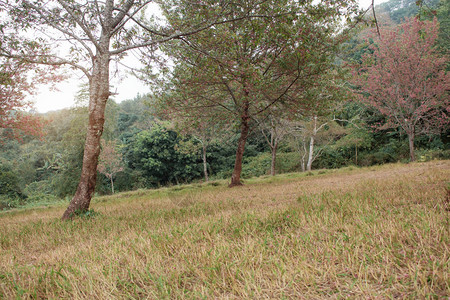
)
(356, 138)
(155, 157)
(241, 69)
(11, 193)
(399, 10)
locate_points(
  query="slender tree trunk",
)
(411, 146)
(356, 155)
(311, 146)
(245, 128)
(310, 154)
(274, 158)
(98, 96)
(205, 165)
(112, 185)
(302, 161)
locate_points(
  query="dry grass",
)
(364, 233)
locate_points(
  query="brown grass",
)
(364, 233)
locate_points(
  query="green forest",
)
(158, 140)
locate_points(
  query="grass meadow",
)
(359, 233)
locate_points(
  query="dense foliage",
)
(404, 79)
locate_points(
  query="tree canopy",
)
(405, 79)
(241, 69)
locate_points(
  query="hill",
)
(351, 233)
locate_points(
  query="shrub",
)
(427, 155)
(9, 183)
(256, 166)
(377, 158)
(287, 162)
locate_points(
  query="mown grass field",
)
(371, 233)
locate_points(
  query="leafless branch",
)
(80, 23)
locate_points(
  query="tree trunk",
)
(411, 146)
(310, 154)
(274, 158)
(112, 185)
(205, 165)
(245, 128)
(356, 155)
(302, 162)
(98, 96)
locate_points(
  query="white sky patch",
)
(126, 86)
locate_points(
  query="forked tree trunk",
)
(412, 156)
(205, 164)
(98, 96)
(245, 128)
(274, 158)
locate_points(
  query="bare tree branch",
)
(80, 23)
(375, 17)
(179, 35)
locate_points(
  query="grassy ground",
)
(353, 233)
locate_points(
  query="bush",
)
(8, 202)
(9, 184)
(377, 158)
(260, 165)
(287, 162)
(256, 166)
(333, 158)
(427, 155)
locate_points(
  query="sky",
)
(127, 87)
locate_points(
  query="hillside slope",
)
(372, 232)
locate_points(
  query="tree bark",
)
(274, 158)
(412, 156)
(98, 96)
(112, 185)
(310, 154)
(205, 165)
(311, 146)
(302, 162)
(245, 128)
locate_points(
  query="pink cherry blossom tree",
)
(405, 79)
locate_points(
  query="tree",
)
(274, 130)
(9, 183)
(405, 79)
(95, 32)
(110, 161)
(358, 136)
(210, 128)
(18, 80)
(205, 131)
(398, 10)
(312, 131)
(155, 156)
(241, 69)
